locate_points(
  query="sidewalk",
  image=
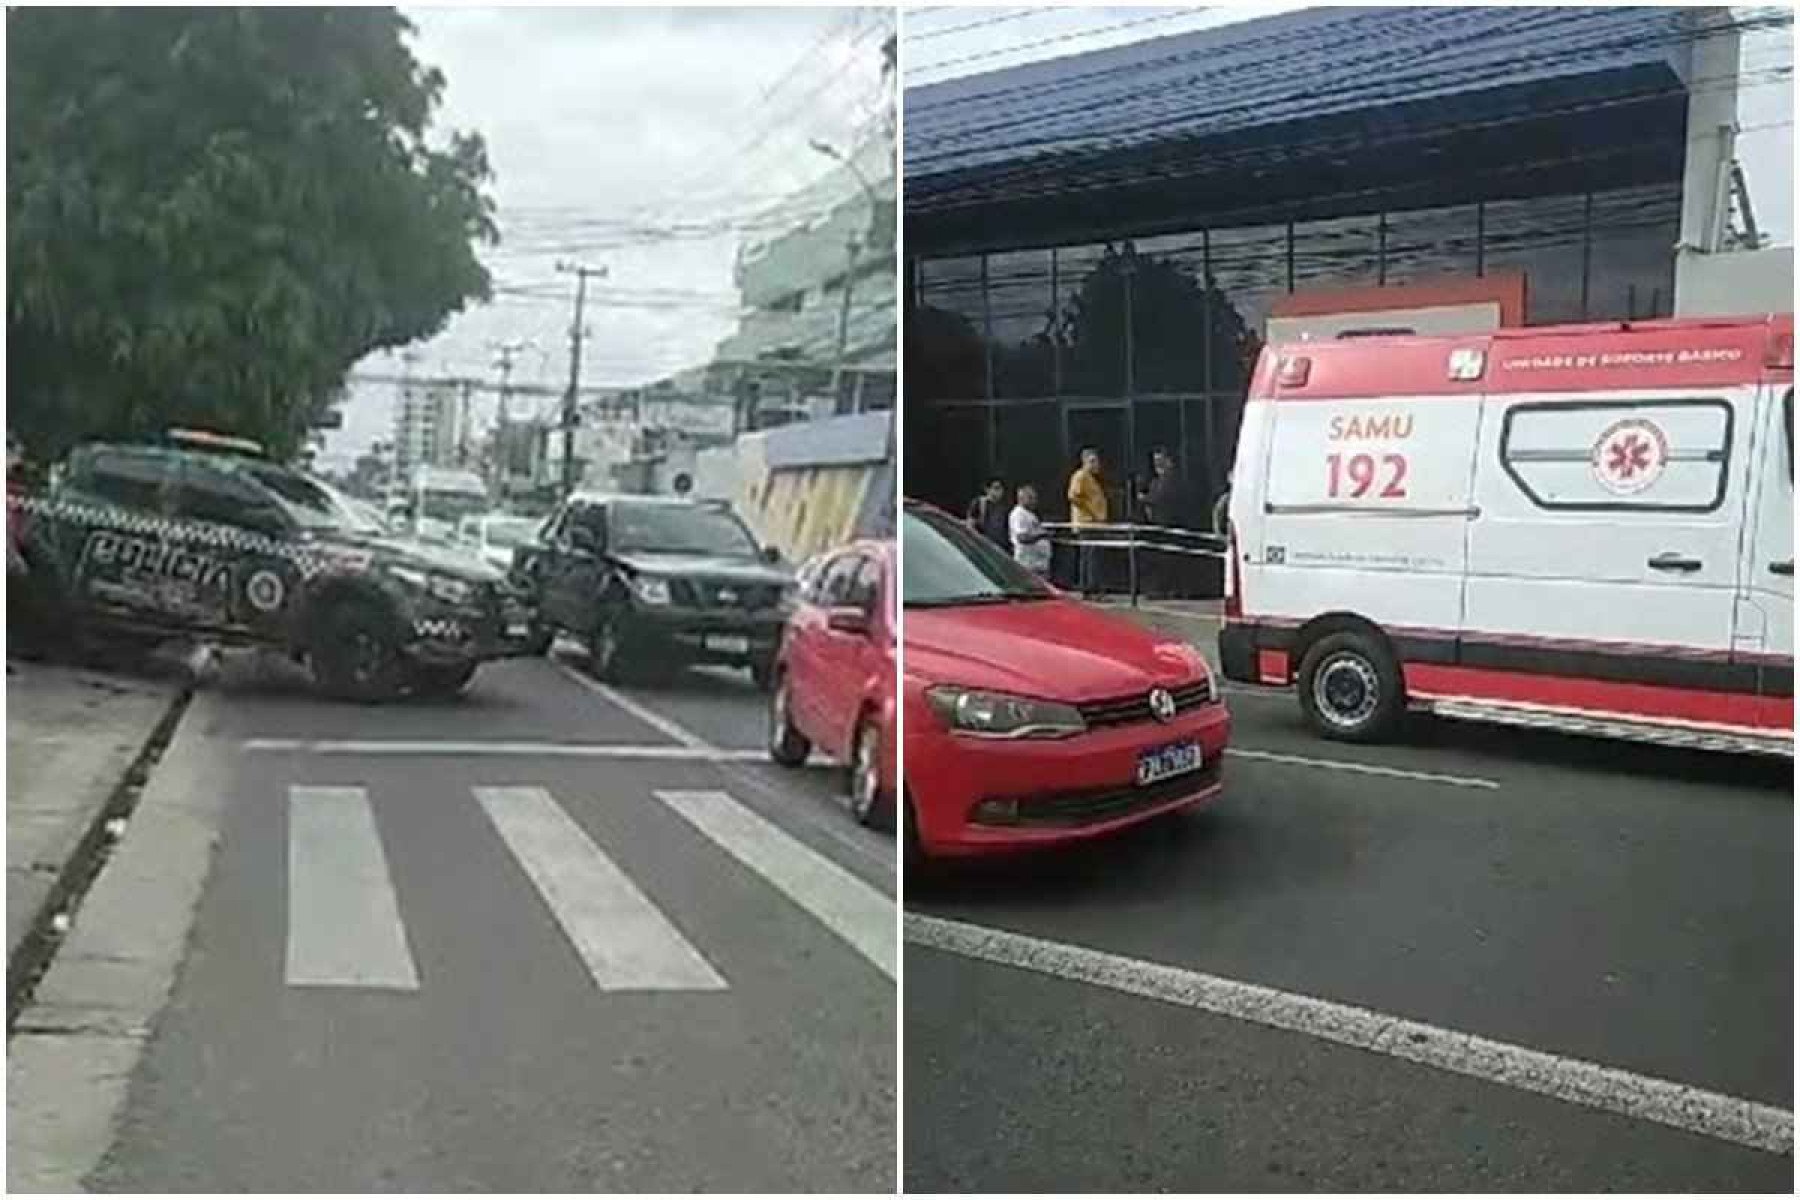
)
(72, 736)
(1194, 621)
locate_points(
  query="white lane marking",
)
(344, 927)
(857, 912)
(823, 814)
(1573, 1080)
(656, 753)
(625, 941)
(1338, 764)
(648, 716)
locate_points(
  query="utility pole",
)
(502, 434)
(582, 273)
(848, 162)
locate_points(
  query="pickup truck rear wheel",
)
(1350, 687)
(354, 655)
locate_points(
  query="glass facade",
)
(1016, 360)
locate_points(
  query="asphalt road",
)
(1623, 906)
(562, 939)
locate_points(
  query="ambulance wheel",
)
(353, 655)
(1350, 688)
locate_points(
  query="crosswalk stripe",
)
(626, 943)
(344, 925)
(860, 914)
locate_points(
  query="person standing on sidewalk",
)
(1087, 506)
(1030, 544)
(987, 513)
(1165, 504)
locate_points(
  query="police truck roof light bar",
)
(203, 439)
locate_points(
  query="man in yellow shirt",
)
(1087, 506)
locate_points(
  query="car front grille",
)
(1073, 809)
(1134, 709)
(727, 596)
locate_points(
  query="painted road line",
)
(857, 912)
(1338, 764)
(645, 714)
(625, 942)
(1573, 1080)
(344, 926)
(502, 749)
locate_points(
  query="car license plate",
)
(1166, 762)
(729, 645)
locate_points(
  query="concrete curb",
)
(27, 959)
(74, 1048)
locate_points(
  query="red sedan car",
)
(833, 689)
(1033, 719)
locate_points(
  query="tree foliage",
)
(213, 213)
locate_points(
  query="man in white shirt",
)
(1031, 545)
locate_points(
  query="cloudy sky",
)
(610, 130)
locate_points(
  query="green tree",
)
(213, 213)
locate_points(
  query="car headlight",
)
(652, 590)
(997, 715)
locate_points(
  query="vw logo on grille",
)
(1162, 705)
(728, 595)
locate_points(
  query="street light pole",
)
(854, 248)
(582, 274)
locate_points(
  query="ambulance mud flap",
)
(1237, 653)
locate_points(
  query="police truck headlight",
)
(997, 715)
(438, 587)
(652, 590)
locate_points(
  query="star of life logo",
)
(1629, 456)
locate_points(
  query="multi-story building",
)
(427, 427)
(818, 299)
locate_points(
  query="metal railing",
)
(1135, 540)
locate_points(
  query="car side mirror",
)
(771, 555)
(848, 620)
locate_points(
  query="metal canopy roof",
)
(1321, 112)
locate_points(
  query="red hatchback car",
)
(1033, 719)
(833, 689)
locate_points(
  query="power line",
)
(982, 24)
(1059, 39)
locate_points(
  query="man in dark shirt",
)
(988, 512)
(1165, 504)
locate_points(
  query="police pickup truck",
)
(202, 536)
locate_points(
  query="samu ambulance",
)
(1585, 528)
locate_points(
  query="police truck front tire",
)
(443, 679)
(1350, 687)
(354, 656)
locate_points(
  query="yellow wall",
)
(806, 510)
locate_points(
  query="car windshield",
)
(944, 563)
(679, 529)
(450, 506)
(311, 502)
(507, 532)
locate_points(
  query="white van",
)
(1587, 528)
